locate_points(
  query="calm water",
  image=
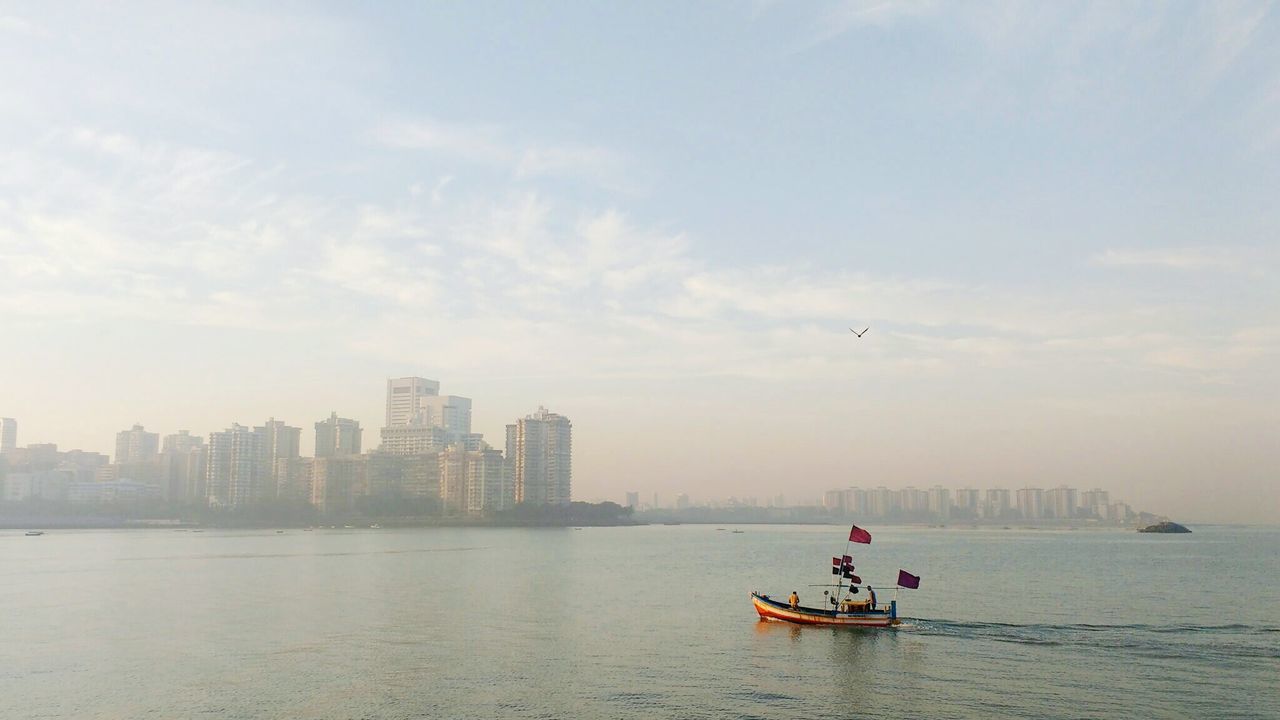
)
(633, 622)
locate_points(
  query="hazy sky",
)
(1060, 221)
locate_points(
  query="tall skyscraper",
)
(543, 459)
(136, 445)
(8, 435)
(1030, 503)
(450, 412)
(413, 439)
(182, 462)
(280, 444)
(1061, 502)
(234, 472)
(998, 504)
(633, 500)
(337, 436)
(404, 396)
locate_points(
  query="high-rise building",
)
(404, 397)
(450, 412)
(967, 503)
(1060, 502)
(337, 436)
(1095, 502)
(1030, 503)
(633, 500)
(280, 443)
(413, 439)
(8, 435)
(180, 442)
(235, 475)
(940, 502)
(337, 481)
(182, 468)
(487, 487)
(136, 445)
(998, 504)
(543, 459)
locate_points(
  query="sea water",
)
(636, 622)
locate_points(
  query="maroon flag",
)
(907, 580)
(855, 579)
(835, 562)
(859, 535)
(846, 560)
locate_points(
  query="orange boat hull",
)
(770, 609)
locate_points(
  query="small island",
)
(1165, 527)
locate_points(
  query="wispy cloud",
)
(492, 145)
(19, 26)
(1186, 258)
(474, 143)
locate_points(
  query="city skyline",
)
(428, 464)
(1057, 221)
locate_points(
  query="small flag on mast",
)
(907, 580)
(859, 535)
(846, 560)
(836, 561)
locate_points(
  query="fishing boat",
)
(847, 613)
(848, 605)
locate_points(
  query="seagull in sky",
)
(859, 334)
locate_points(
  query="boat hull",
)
(770, 609)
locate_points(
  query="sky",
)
(1059, 221)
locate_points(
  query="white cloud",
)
(1186, 258)
(474, 143)
(19, 26)
(492, 145)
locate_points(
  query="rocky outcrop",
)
(1165, 527)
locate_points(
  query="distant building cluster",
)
(428, 462)
(940, 504)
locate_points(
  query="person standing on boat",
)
(795, 600)
(871, 603)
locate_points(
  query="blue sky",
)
(1059, 220)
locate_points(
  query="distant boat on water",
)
(34, 533)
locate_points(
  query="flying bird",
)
(859, 334)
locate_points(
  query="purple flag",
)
(907, 580)
(859, 535)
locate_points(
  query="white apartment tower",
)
(136, 445)
(235, 475)
(420, 419)
(337, 436)
(404, 396)
(543, 459)
(280, 444)
(8, 435)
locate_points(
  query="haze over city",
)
(1058, 222)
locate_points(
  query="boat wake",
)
(1227, 642)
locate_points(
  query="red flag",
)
(859, 535)
(855, 579)
(835, 562)
(907, 580)
(846, 560)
